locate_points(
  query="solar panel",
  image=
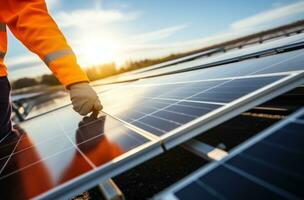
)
(270, 165)
(188, 100)
(252, 66)
(295, 39)
(167, 108)
(59, 148)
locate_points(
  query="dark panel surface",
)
(194, 191)
(271, 167)
(234, 186)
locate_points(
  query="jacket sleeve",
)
(31, 23)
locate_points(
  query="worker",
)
(30, 22)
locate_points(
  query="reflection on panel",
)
(48, 105)
(161, 107)
(50, 151)
(104, 139)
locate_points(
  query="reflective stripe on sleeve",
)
(2, 54)
(2, 27)
(57, 54)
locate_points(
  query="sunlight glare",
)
(94, 50)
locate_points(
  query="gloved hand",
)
(84, 98)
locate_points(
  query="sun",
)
(94, 50)
(100, 52)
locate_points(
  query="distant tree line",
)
(47, 79)
(94, 72)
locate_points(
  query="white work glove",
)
(84, 98)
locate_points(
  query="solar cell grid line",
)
(185, 103)
(180, 113)
(149, 117)
(152, 129)
(3, 138)
(165, 119)
(197, 109)
(24, 149)
(174, 114)
(11, 169)
(38, 139)
(168, 104)
(5, 160)
(8, 145)
(73, 161)
(75, 145)
(156, 117)
(180, 118)
(264, 170)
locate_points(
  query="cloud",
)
(156, 49)
(236, 29)
(270, 16)
(158, 34)
(93, 18)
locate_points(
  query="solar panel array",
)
(163, 106)
(270, 165)
(232, 56)
(60, 152)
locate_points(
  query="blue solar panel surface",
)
(269, 166)
(161, 107)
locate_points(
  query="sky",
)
(102, 31)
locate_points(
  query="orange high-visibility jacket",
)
(30, 22)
